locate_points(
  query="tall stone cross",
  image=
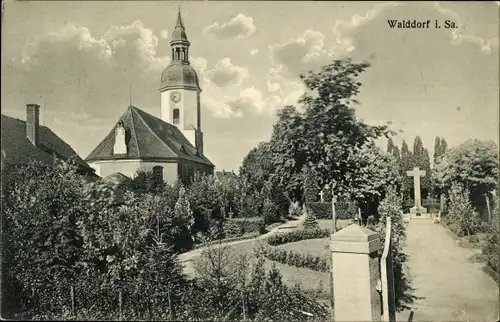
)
(321, 196)
(416, 173)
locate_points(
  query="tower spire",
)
(179, 18)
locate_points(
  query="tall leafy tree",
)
(396, 154)
(406, 164)
(421, 159)
(437, 149)
(443, 146)
(474, 164)
(327, 134)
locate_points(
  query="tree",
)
(437, 149)
(397, 155)
(390, 145)
(474, 165)
(327, 134)
(461, 214)
(406, 165)
(420, 158)
(311, 186)
(311, 222)
(257, 166)
(443, 146)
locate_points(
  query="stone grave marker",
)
(416, 173)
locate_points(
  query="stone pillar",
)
(356, 274)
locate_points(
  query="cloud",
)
(73, 67)
(273, 87)
(164, 34)
(239, 26)
(221, 109)
(225, 73)
(300, 54)
(344, 43)
(459, 36)
(251, 100)
(254, 52)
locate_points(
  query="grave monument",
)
(416, 173)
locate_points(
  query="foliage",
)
(406, 165)
(310, 222)
(391, 207)
(63, 232)
(420, 158)
(390, 146)
(205, 195)
(327, 135)
(297, 235)
(492, 245)
(248, 225)
(315, 263)
(310, 183)
(473, 164)
(461, 213)
(244, 290)
(344, 209)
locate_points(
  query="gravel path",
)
(451, 287)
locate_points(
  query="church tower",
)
(180, 90)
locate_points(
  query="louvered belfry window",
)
(176, 116)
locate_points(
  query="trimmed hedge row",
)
(247, 225)
(315, 263)
(227, 240)
(297, 235)
(344, 209)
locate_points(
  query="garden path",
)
(450, 286)
(186, 259)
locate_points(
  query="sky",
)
(78, 59)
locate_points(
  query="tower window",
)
(176, 116)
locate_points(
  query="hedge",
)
(248, 225)
(316, 263)
(227, 240)
(297, 235)
(345, 209)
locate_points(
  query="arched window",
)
(176, 116)
(158, 174)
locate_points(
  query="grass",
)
(316, 283)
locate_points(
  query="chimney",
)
(33, 123)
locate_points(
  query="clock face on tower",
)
(176, 97)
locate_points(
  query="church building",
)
(170, 146)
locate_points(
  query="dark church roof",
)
(17, 149)
(147, 137)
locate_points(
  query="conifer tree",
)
(390, 146)
(310, 222)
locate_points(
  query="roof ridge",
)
(132, 109)
(151, 130)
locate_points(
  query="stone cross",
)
(321, 196)
(416, 173)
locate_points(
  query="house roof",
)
(147, 137)
(17, 149)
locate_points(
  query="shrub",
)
(310, 222)
(297, 235)
(247, 225)
(473, 239)
(322, 210)
(315, 263)
(462, 213)
(344, 209)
